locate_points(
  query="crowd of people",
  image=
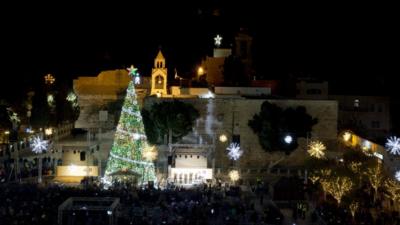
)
(334, 215)
(31, 204)
(27, 169)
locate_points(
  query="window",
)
(83, 156)
(314, 91)
(159, 82)
(375, 124)
(243, 49)
(356, 103)
(372, 108)
(380, 108)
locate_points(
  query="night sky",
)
(353, 47)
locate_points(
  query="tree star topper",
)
(134, 74)
(217, 40)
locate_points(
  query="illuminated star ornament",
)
(397, 175)
(316, 149)
(134, 74)
(393, 145)
(217, 40)
(234, 151)
(149, 153)
(39, 145)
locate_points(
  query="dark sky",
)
(350, 44)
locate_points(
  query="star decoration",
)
(39, 145)
(234, 151)
(393, 145)
(316, 149)
(397, 175)
(217, 40)
(134, 74)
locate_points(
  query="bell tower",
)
(159, 76)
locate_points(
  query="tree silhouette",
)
(176, 117)
(273, 123)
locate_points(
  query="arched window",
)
(159, 82)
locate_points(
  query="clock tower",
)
(159, 76)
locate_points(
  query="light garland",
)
(130, 142)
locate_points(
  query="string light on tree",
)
(218, 40)
(316, 149)
(73, 99)
(234, 151)
(50, 100)
(392, 188)
(39, 145)
(353, 208)
(130, 140)
(393, 145)
(337, 186)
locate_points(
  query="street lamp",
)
(346, 136)
(234, 175)
(48, 131)
(39, 146)
(200, 71)
(288, 139)
(223, 138)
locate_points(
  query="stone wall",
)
(218, 115)
(102, 93)
(97, 93)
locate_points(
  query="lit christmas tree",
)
(130, 140)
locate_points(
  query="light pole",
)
(149, 154)
(15, 125)
(39, 146)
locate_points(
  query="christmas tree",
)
(130, 141)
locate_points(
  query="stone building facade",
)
(221, 116)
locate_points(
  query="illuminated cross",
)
(217, 40)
